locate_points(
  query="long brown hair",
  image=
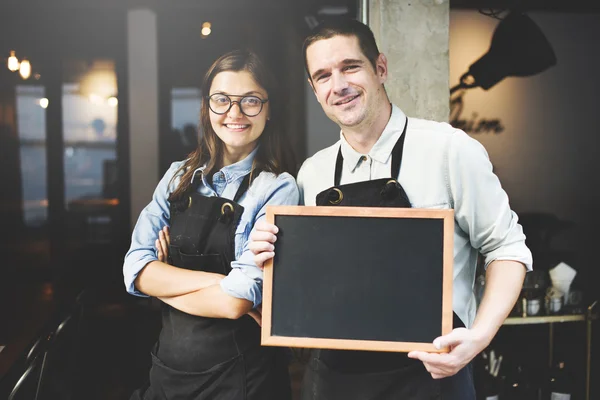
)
(274, 154)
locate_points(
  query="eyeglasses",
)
(250, 106)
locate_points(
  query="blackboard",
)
(359, 278)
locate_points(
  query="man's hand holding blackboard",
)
(464, 345)
(262, 241)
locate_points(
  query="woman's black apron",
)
(199, 358)
(370, 375)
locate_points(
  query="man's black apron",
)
(369, 375)
(199, 358)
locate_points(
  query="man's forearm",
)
(163, 280)
(210, 302)
(504, 280)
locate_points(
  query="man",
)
(441, 167)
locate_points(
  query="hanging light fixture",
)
(518, 48)
(206, 29)
(13, 61)
(25, 69)
(99, 82)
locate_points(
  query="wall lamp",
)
(518, 48)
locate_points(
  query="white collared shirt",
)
(442, 167)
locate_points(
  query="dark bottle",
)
(560, 386)
(491, 387)
(520, 386)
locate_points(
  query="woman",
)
(209, 345)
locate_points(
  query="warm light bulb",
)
(95, 99)
(44, 102)
(13, 61)
(25, 69)
(112, 101)
(206, 29)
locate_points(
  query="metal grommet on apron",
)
(199, 358)
(226, 208)
(335, 196)
(227, 212)
(371, 375)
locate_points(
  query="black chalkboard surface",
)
(359, 278)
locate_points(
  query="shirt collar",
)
(233, 171)
(382, 149)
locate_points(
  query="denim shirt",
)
(442, 168)
(245, 279)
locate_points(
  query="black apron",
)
(371, 375)
(198, 358)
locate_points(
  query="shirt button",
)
(363, 158)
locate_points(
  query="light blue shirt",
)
(442, 167)
(245, 279)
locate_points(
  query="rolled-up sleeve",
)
(151, 220)
(245, 279)
(481, 206)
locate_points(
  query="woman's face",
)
(237, 131)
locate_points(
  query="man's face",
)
(349, 89)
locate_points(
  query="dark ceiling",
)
(304, 6)
(585, 6)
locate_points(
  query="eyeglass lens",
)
(249, 105)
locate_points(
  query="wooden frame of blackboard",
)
(447, 218)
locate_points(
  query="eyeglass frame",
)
(231, 102)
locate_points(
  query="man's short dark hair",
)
(344, 27)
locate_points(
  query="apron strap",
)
(338, 167)
(397, 153)
(396, 158)
(243, 187)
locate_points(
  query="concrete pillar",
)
(321, 132)
(142, 63)
(413, 34)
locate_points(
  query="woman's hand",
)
(162, 245)
(262, 242)
(159, 279)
